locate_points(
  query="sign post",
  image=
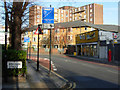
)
(48, 20)
(39, 32)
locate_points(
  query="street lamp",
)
(39, 32)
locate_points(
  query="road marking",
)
(74, 85)
(66, 60)
(55, 73)
(112, 71)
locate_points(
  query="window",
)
(58, 38)
(76, 10)
(75, 18)
(61, 15)
(55, 10)
(70, 19)
(79, 8)
(44, 38)
(38, 16)
(38, 20)
(84, 20)
(84, 16)
(34, 39)
(70, 10)
(70, 14)
(38, 11)
(90, 15)
(90, 5)
(85, 28)
(38, 7)
(91, 19)
(69, 29)
(57, 30)
(55, 15)
(90, 10)
(61, 19)
(70, 37)
(61, 11)
(85, 12)
(85, 7)
(66, 15)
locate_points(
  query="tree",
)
(17, 16)
(47, 40)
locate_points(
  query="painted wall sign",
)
(87, 37)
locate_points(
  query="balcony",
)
(79, 11)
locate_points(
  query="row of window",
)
(57, 38)
(70, 37)
(69, 30)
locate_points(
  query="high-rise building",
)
(92, 13)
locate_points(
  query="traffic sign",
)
(36, 32)
(26, 39)
(48, 15)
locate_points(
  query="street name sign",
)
(14, 64)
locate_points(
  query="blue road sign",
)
(26, 39)
(48, 15)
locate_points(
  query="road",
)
(86, 74)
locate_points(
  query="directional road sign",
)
(48, 15)
(26, 39)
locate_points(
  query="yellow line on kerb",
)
(55, 73)
(74, 85)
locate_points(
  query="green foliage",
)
(14, 55)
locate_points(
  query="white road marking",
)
(112, 71)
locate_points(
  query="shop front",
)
(87, 44)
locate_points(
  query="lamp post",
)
(39, 30)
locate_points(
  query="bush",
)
(15, 55)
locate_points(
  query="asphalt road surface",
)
(86, 74)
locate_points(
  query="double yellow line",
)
(72, 85)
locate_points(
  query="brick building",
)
(91, 13)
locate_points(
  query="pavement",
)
(37, 79)
(95, 59)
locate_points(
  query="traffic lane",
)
(99, 67)
(82, 79)
(84, 69)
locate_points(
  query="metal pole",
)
(113, 46)
(38, 48)
(6, 31)
(30, 51)
(50, 51)
(6, 25)
(27, 50)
